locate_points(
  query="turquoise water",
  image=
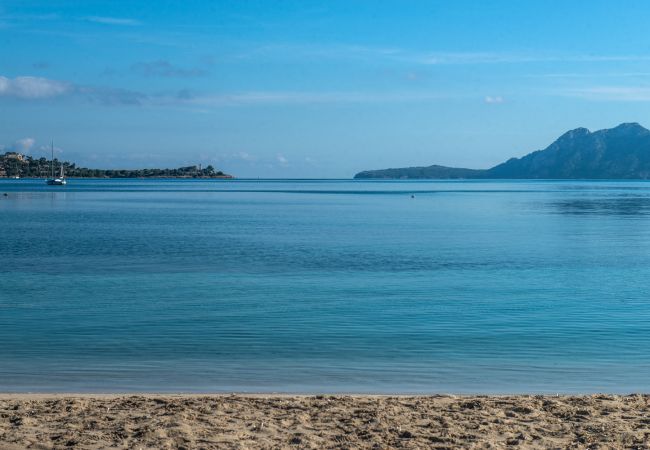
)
(325, 286)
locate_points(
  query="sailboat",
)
(52, 181)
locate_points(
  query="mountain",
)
(620, 152)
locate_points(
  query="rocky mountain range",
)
(622, 152)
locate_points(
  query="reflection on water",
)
(610, 206)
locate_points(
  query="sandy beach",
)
(38, 421)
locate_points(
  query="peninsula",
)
(622, 152)
(14, 165)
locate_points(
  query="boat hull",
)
(56, 182)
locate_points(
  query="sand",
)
(322, 422)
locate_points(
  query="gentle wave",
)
(537, 287)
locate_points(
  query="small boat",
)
(60, 180)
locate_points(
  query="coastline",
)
(90, 421)
(216, 177)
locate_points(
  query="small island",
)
(17, 165)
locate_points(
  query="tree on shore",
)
(14, 164)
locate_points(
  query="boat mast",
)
(52, 161)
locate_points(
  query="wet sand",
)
(321, 422)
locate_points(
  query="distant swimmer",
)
(412, 196)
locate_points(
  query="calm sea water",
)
(325, 286)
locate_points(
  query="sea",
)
(325, 286)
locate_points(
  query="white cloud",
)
(23, 145)
(32, 87)
(37, 88)
(112, 20)
(282, 160)
(493, 99)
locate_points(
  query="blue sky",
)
(315, 89)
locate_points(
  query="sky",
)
(315, 89)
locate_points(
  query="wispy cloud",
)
(163, 68)
(112, 96)
(301, 97)
(41, 65)
(320, 51)
(21, 145)
(243, 161)
(30, 88)
(24, 145)
(609, 93)
(573, 75)
(493, 99)
(426, 57)
(20, 19)
(449, 58)
(33, 87)
(282, 160)
(29, 17)
(235, 157)
(113, 20)
(46, 150)
(36, 88)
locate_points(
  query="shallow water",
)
(325, 286)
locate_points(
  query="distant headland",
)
(622, 152)
(14, 165)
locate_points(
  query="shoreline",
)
(91, 421)
(243, 394)
(216, 177)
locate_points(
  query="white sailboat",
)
(52, 181)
